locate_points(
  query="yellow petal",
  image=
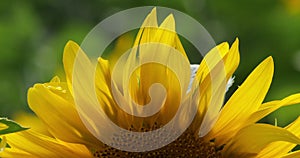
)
(278, 149)
(36, 145)
(123, 44)
(232, 59)
(104, 94)
(221, 53)
(16, 153)
(266, 108)
(245, 101)
(146, 28)
(214, 57)
(154, 51)
(294, 154)
(2, 144)
(103, 87)
(219, 79)
(252, 139)
(201, 86)
(73, 52)
(103, 76)
(54, 105)
(218, 60)
(168, 23)
(158, 64)
(80, 72)
(166, 34)
(31, 121)
(3, 126)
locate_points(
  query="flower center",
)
(187, 145)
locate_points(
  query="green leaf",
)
(12, 126)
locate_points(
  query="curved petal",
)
(221, 53)
(54, 105)
(103, 88)
(73, 52)
(292, 154)
(123, 44)
(203, 90)
(267, 108)
(245, 101)
(2, 144)
(201, 86)
(153, 59)
(9, 152)
(31, 121)
(32, 144)
(278, 149)
(218, 87)
(247, 141)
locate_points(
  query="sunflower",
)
(230, 131)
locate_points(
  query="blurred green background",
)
(33, 34)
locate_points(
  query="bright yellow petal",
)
(31, 121)
(103, 77)
(144, 35)
(91, 95)
(294, 154)
(232, 59)
(2, 144)
(219, 80)
(221, 53)
(245, 101)
(104, 94)
(3, 126)
(167, 67)
(146, 30)
(266, 108)
(201, 86)
(278, 149)
(103, 87)
(218, 60)
(252, 139)
(155, 55)
(37, 145)
(54, 105)
(73, 52)
(9, 152)
(123, 44)
(83, 75)
(214, 58)
(166, 34)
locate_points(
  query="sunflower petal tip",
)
(269, 63)
(151, 19)
(71, 43)
(102, 60)
(70, 50)
(153, 11)
(169, 23)
(237, 40)
(55, 79)
(171, 16)
(225, 44)
(270, 60)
